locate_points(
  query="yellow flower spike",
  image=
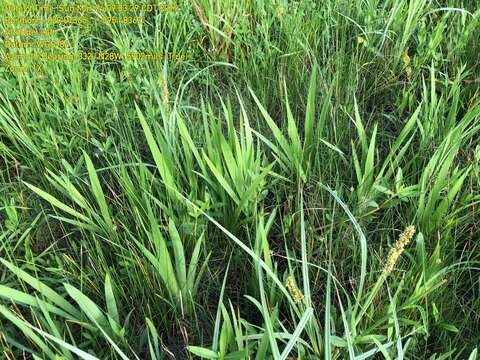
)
(406, 60)
(294, 290)
(403, 240)
(162, 82)
(361, 40)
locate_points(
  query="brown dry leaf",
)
(201, 14)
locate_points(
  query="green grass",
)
(247, 203)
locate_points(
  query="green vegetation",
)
(304, 186)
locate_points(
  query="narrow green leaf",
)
(202, 352)
(310, 111)
(45, 290)
(98, 192)
(9, 315)
(57, 203)
(296, 334)
(91, 310)
(158, 157)
(110, 299)
(179, 254)
(21, 298)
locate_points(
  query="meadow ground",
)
(300, 182)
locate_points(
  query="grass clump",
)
(248, 202)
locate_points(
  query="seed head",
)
(404, 239)
(164, 93)
(294, 290)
